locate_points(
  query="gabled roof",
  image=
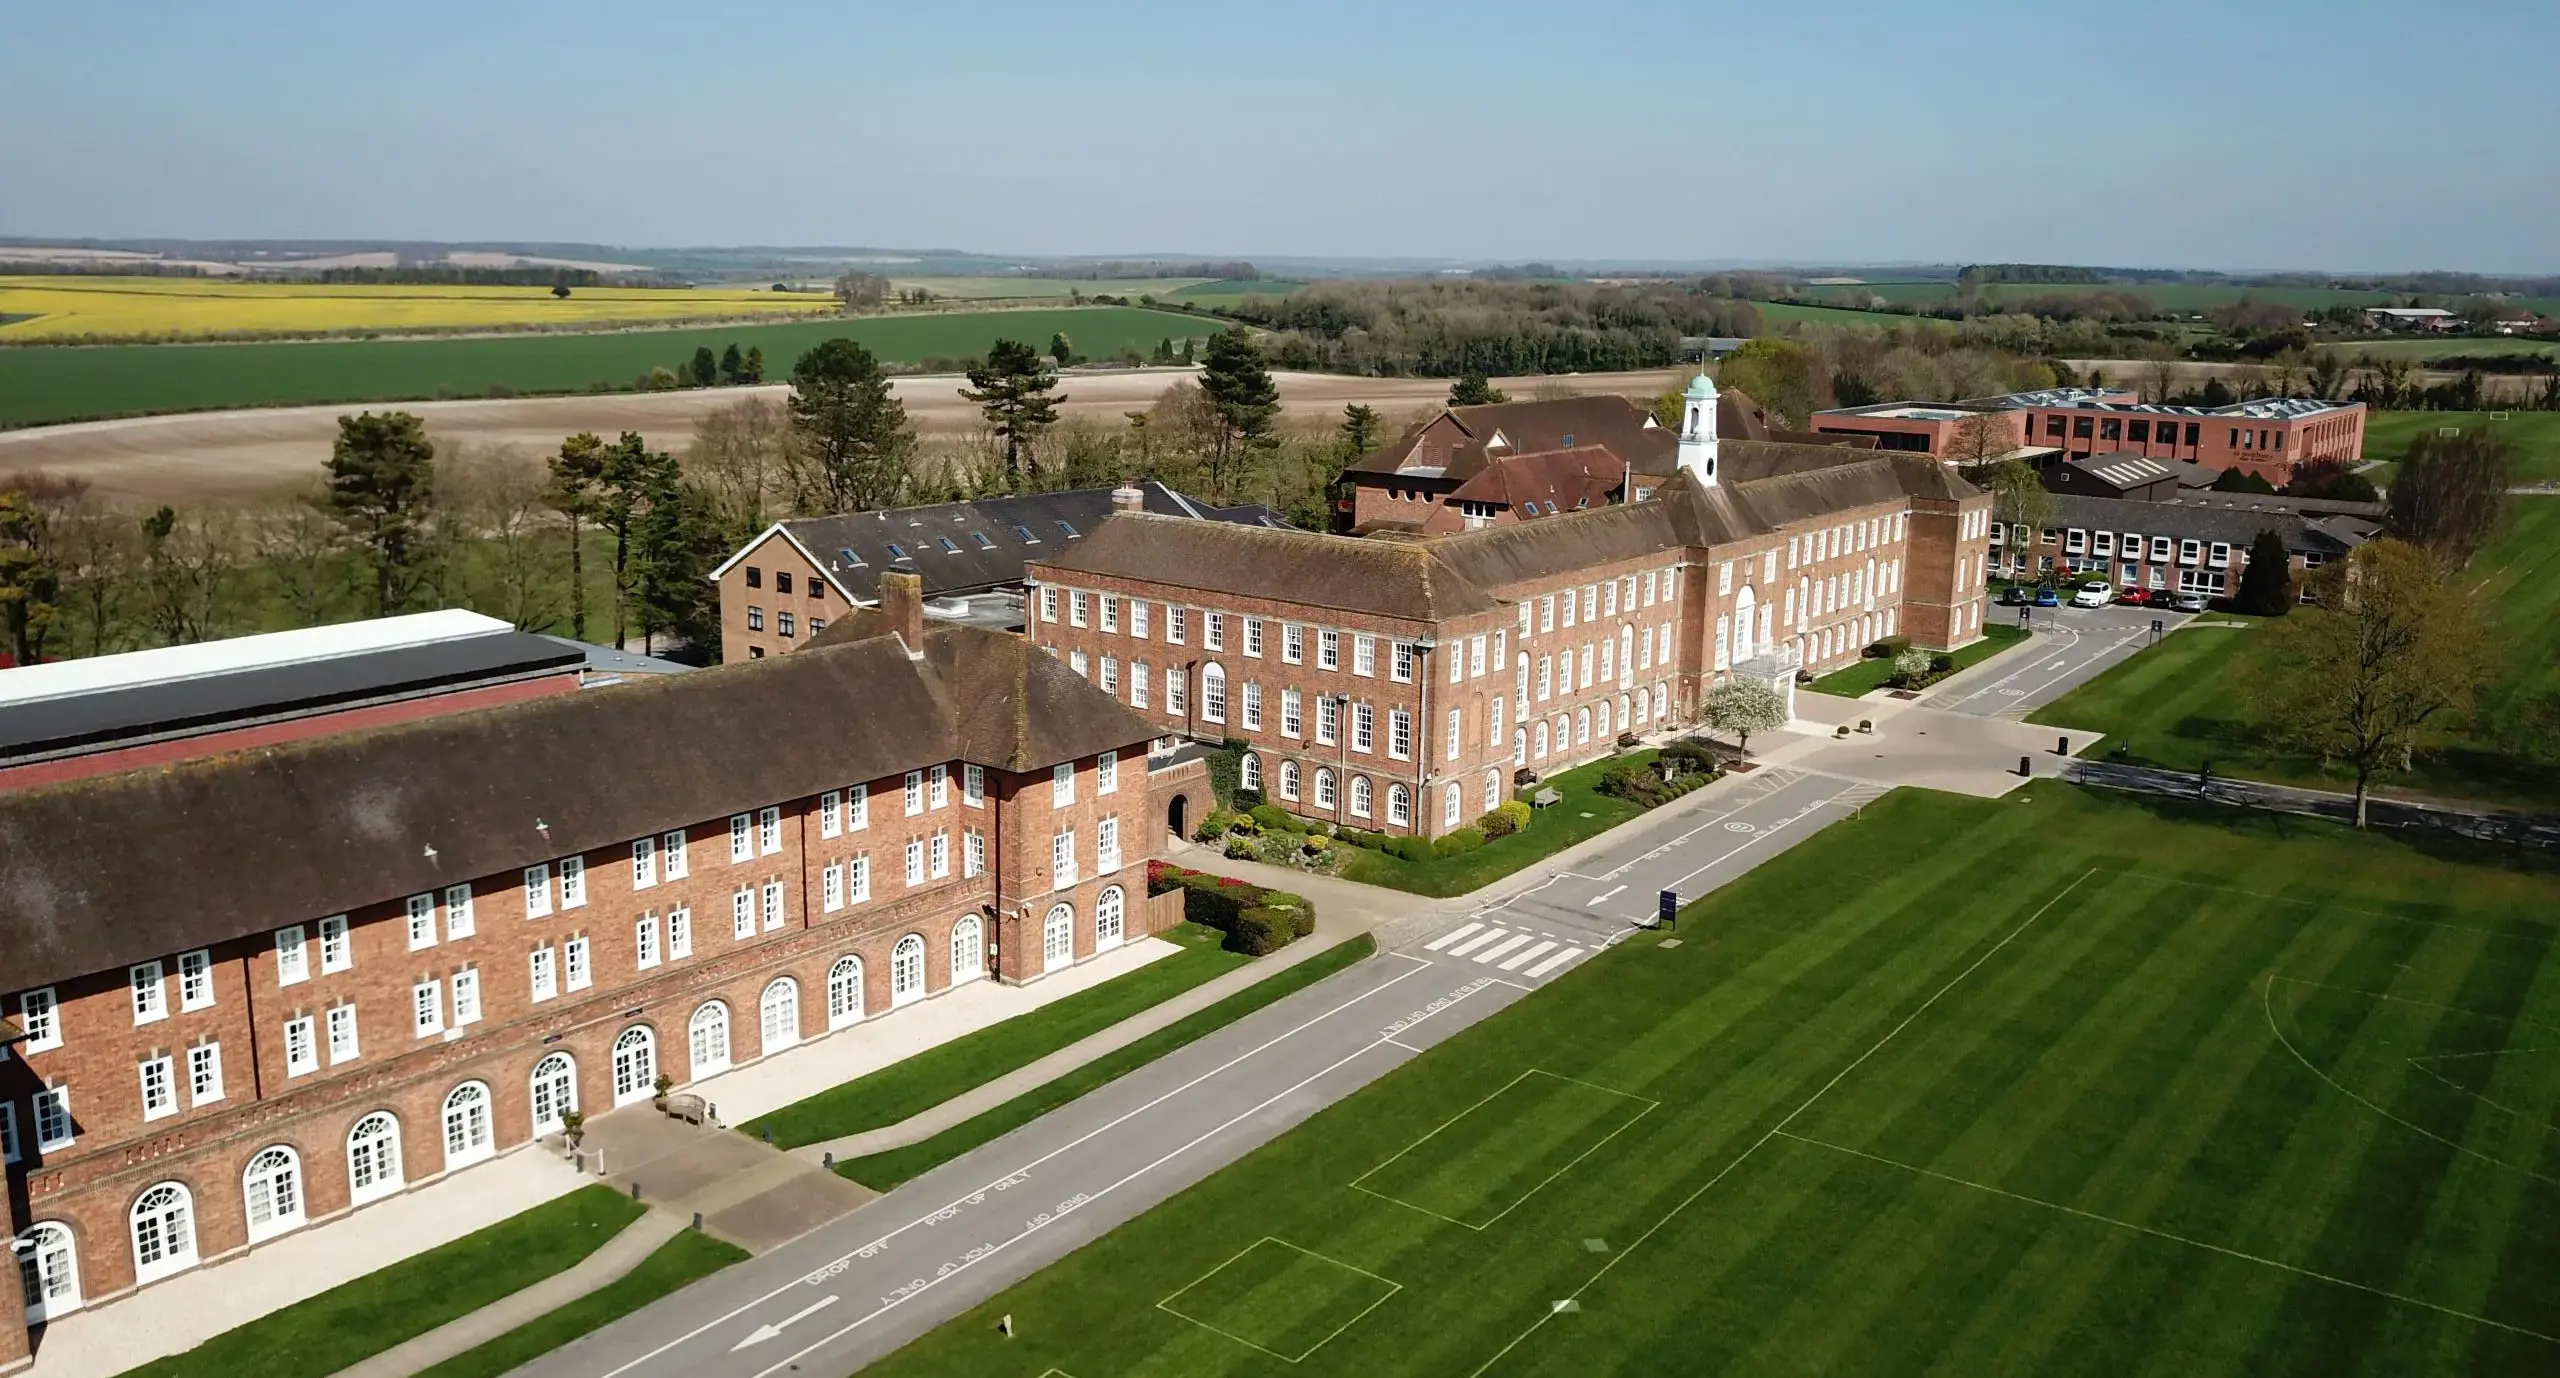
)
(1456, 443)
(1546, 483)
(1389, 578)
(972, 546)
(248, 841)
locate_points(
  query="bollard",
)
(2062, 746)
(768, 1136)
(1005, 1327)
(2026, 765)
(831, 1162)
(697, 1220)
(635, 1189)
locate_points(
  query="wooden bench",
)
(1545, 798)
(689, 1109)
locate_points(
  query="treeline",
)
(1146, 268)
(448, 276)
(1447, 329)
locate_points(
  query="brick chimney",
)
(902, 602)
(1128, 497)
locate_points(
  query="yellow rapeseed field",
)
(67, 308)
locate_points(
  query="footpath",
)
(2527, 829)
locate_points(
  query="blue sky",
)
(2342, 134)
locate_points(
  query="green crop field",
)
(1226, 290)
(2185, 702)
(1787, 312)
(2535, 436)
(2071, 1083)
(59, 383)
(1044, 289)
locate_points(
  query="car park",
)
(2095, 594)
(2191, 602)
(2134, 595)
(2017, 596)
(2048, 598)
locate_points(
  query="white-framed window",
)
(1075, 607)
(1062, 783)
(940, 852)
(906, 969)
(373, 1156)
(1140, 677)
(644, 941)
(426, 1006)
(742, 844)
(1293, 642)
(1328, 649)
(468, 1135)
(1288, 778)
(1399, 734)
(1364, 655)
(968, 949)
(1176, 623)
(460, 921)
(1138, 619)
(973, 853)
(938, 787)
(53, 1118)
(831, 888)
(912, 796)
(857, 879)
(1323, 788)
(707, 1038)
(778, 1015)
(1253, 636)
(1058, 938)
(1292, 720)
(1364, 722)
(293, 959)
(1062, 859)
(1110, 613)
(1362, 793)
(1252, 698)
(1109, 679)
(422, 921)
(1328, 719)
(915, 861)
(150, 993)
(1399, 805)
(768, 834)
(844, 992)
(671, 855)
(1213, 692)
(1249, 771)
(537, 897)
(1453, 805)
(204, 1073)
(831, 813)
(40, 1018)
(195, 980)
(159, 1088)
(1456, 720)
(644, 863)
(1106, 772)
(1048, 604)
(679, 933)
(1493, 721)
(973, 786)
(1213, 631)
(342, 1033)
(576, 967)
(301, 1046)
(545, 967)
(742, 913)
(1176, 694)
(554, 1085)
(773, 905)
(466, 994)
(164, 1232)
(1106, 846)
(1403, 661)
(573, 882)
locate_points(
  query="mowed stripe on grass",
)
(2081, 1083)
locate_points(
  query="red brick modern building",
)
(2268, 436)
(1397, 683)
(346, 965)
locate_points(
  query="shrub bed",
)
(1255, 919)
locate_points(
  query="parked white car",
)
(2095, 594)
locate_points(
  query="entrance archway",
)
(1176, 817)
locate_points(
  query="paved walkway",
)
(743, 1192)
(618, 1256)
(2538, 830)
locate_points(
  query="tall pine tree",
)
(1017, 390)
(854, 440)
(382, 479)
(1239, 387)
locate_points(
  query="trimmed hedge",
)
(1458, 842)
(1255, 918)
(1272, 818)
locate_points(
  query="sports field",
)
(144, 308)
(2065, 1084)
(42, 385)
(2535, 436)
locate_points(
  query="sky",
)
(2238, 134)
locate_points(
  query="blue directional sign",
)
(1671, 909)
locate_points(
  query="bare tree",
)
(2389, 647)
(188, 563)
(97, 553)
(739, 459)
(2451, 492)
(1980, 437)
(304, 551)
(499, 501)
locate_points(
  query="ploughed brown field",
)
(240, 455)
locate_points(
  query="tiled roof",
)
(1547, 483)
(290, 833)
(1385, 577)
(2195, 522)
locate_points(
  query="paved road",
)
(2071, 646)
(854, 1290)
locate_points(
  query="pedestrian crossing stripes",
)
(1504, 949)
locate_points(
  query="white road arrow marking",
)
(763, 1333)
(1595, 899)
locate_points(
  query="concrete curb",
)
(609, 1263)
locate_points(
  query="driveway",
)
(2070, 647)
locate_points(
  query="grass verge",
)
(357, 1320)
(919, 1083)
(883, 1171)
(687, 1258)
(1584, 812)
(1871, 673)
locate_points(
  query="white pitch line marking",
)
(1478, 940)
(1526, 956)
(1557, 960)
(1449, 937)
(1495, 952)
(1595, 899)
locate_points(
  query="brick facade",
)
(772, 599)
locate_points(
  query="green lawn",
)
(2071, 1083)
(64, 383)
(359, 1319)
(1584, 812)
(2535, 436)
(688, 1257)
(2181, 703)
(883, 1171)
(904, 1089)
(1871, 673)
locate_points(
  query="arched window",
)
(1360, 796)
(1627, 654)
(1564, 733)
(1542, 741)
(50, 1268)
(1582, 727)
(1213, 692)
(778, 1015)
(707, 1040)
(906, 970)
(468, 1136)
(635, 1065)
(1520, 681)
(1110, 917)
(1288, 779)
(373, 1157)
(1644, 703)
(1453, 805)
(844, 992)
(968, 949)
(1492, 790)
(1625, 723)
(1249, 771)
(1399, 805)
(1661, 702)
(1324, 788)
(1058, 938)
(1519, 746)
(555, 1092)
(1600, 719)
(164, 1232)
(272, 1187)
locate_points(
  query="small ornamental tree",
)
(1909, 664)
(1742, 707)
(2266, 583)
